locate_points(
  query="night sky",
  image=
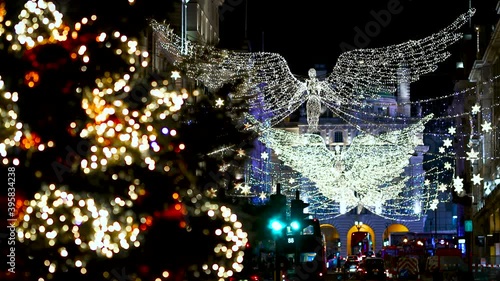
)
(313, 32)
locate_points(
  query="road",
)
(332, 276)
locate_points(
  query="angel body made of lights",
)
(368, 173)
(313, 104)
(271, 87)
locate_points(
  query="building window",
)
(338, 137)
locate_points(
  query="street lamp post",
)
(358, 225)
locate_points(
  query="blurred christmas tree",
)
(115, 172)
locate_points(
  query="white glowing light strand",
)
(349, 176)
(386, 120)
(367, 126)
(358, 74)
(454, 94)
(360, 117)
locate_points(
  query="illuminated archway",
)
(370, 236)
(332, 238)
(396, 227)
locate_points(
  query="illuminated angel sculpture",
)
(357, 75)
(368, 173)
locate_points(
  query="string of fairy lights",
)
(11, 133)
(124, 135)
(119, 135)
(56, 217)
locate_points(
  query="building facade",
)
(485, 208)
(193, 20)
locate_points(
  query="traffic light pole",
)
(278, 224)
(277, 266)
(278, 201)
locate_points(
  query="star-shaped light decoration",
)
(475, 109)
(427, 182)
(245, 189)
(238, 186)
(291, 181)
(452, 130)
(247, 126)
(458, 184)
(486, 126)
(211, 193)
(447, 143)
(433, 204)
(441, 150)
(442, 187)
(223, 167)
(447, 165)
(472, 155)
(262, 195)
(241, 152)
(264, 155)
(175, 75)
(219, 102)
(476, 179)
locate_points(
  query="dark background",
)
(306, 33)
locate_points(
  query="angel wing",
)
(369, 173)
(308, 155)
(266, 78)
(370, 71)
(377, 165)
(276, 93)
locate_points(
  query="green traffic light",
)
(295, 225)
(277, 225)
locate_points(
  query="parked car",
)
(350, 267)
(352, 258)
(371, 268)
(247, 275)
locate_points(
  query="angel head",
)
(312, 73)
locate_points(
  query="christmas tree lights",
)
(89, 210)
(12, 128)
